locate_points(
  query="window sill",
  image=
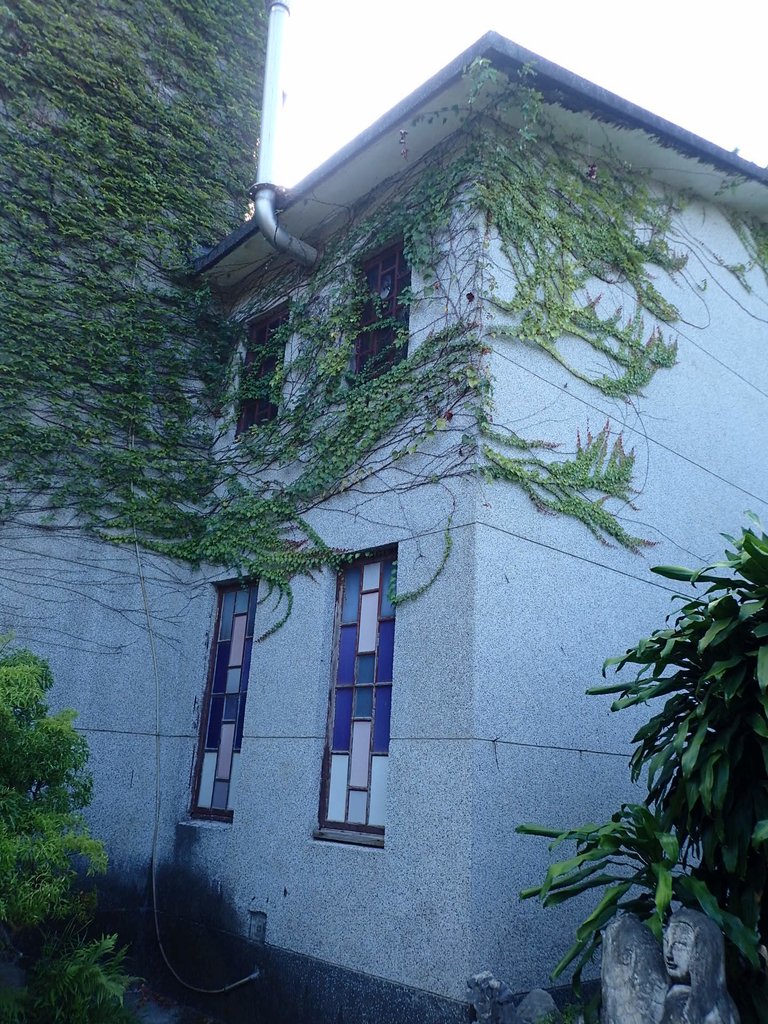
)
(212, 823)
(338, 835)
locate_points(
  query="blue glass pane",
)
(240, 720)
(241, 602)
(230, 707)
(364, 702)
(351, 595)
(227, 611)
(347, 646)
(222, 663)
(387, 608)
(251, 611)
(365, 665)
(342, 719)
(214, 723)
(386, 648)
(381, 721)
(246, 666)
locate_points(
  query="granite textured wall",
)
(490, 724)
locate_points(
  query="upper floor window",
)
(387, 277)
(265, 353)
(354, 787)
(221, 723)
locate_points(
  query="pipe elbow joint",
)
(265, 215)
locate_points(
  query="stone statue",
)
(633, 979)
(694, 956)
(684, 986)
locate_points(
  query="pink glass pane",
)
(224, 764)
(361, 744)
(376, 811)
(371, 576)
(238, 640)
(369, 618)
(337, 793)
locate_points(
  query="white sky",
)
(698, 63)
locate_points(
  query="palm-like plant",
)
(700, 836)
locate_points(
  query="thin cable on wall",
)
(156, 826)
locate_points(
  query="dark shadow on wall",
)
(200, 933)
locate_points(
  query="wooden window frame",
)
(328, 828)
(254, 412)
(376, 349)
(221, 590)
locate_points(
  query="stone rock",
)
(537, 1006)
(492, 999)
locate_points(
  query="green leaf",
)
(762, 667)
(527, 829)
(604, 911)
(760, 832)
(674, 572)
(718, 631)
(690, 756)
(750, 608)
(670, 846)
(663, 894)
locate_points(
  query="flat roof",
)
(558, 87)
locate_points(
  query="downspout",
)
(264, 192)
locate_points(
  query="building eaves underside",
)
(559, 88)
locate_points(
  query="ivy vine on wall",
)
(129, 132)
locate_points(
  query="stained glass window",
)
(264, 354)
(355, 768)
(377, 347)
(224, 710)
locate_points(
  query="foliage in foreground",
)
(700, 836)
(44, 786)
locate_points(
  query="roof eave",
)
(555, 83)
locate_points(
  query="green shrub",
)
(44, 786)
(79, 980)
(700, 836)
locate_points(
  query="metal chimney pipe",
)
(272, 100)
(264, 193)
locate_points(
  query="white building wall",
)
(490, 724)
(552, 602)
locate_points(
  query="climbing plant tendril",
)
(128, 135)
